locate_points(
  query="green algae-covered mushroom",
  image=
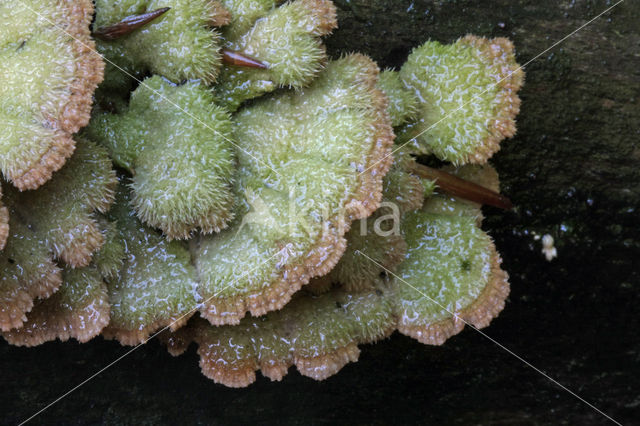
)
(80, 307)
(309, 164)
(56, 220)
(49, 72)
(286, 39)
(61, 211)
(79, 310)
(450, 276)
(179, 45)
(176, 143)
(377, 236)
(466, 98)
(153, 285)
(403, 103)
(285, 183)
(317, 334)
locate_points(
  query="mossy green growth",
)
(79, 309)
(49, 73)
(27, 272)
(56, 220)
(308, 165)
(110, 258)
(378, 236)
(155, 286)
(319, 334)
(451, 256)
(244, 13)
(286, 39)
(177, 144)
(403, 102)
(451, 275)
(62, 210)
(179, 45)
(468, 101)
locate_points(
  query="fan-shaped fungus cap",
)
(468, 99)
(55, 220)
(176, 142)
(179, 45)
(79, 309)
(27, 272)
(50, 71)
(155, 285)
(403, 103)
(377, 236)
(309, 164)
(61, 211)
(317, 334)
(286, 39)
(452, 274)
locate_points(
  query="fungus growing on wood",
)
(49, 71)
(310, 162)
(179, 44)
(55, 221)
(177, 145)
(294, 57)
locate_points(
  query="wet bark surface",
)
(573, 171)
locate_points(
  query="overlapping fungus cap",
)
(62, 210)
(468, 97)
(79, 309)
(403, 103)
(286, 39)
(176, 143)
(244, 13)
(49, 74)
(179, 45)
(451, 275)
(317, 334)
(152, 286)
(56, 220)
(310, 162)
(378, 236)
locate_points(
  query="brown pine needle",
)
(458, 187)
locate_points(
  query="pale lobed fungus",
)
(50, 71)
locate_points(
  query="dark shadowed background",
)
(573, 171)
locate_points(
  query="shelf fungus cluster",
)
(224, 182)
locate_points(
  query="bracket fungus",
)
(182, 163)
(79, 309)
(54, 222)
(460, 282)
(256, 176)
(154, 285)
(309, 162)
(378, 235)
(49, 70)
(180, 44)
(460, 277)
(293, 57)
(319, 334)
(467, 98)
